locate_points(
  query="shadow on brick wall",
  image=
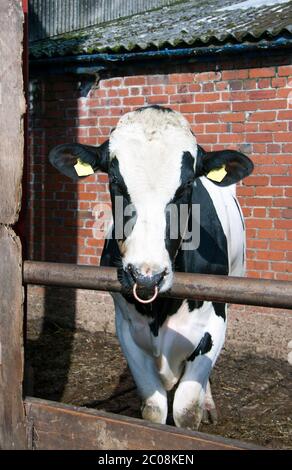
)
(53, 220)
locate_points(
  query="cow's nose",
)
(147, 282)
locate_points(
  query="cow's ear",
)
(77, 160)
(224, 167)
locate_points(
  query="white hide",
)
(149, 145)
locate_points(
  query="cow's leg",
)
(193, 394)
(209, 411)
(142, 366)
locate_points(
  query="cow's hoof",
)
(189, 418)
(210, 416)
(153, 413)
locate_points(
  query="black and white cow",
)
(153, 160)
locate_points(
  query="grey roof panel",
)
(186, 23)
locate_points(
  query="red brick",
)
(191, 108)
(232, 117)
(283, 202)
(278, 82)
(187, 98)
(216, 128)
(217, 107)
(281, 180)
(250, 84)
(271, 169)
(273, 126)
(263, 116)
(134, 81)
(283, 224)
(264, 83)
(287, 148)
(271, 255)
(181, 78)
(259, 223)
(246, 211)
(283, 137)
(259, 202)
(258, 244)
(198, 128)
(234, 74)
(206, 97)
(234, 96)
(259, 212)
(207, 117)
(260, 137)
(231, 138)
(194, 87)
(112, 82)
(134, 101)
(269, 191)
(254, 105)
(272, 234)
(157, 99)
(256, 181)
(283, 245)
(274, 213)
(123, 92)
(257, 265)
(87, 196)
(287, 213)
(245, 127)
(273, 148)
(207, 139)
(134, 91)
(285, 267)
(207, 87)
(169, 89)
(285, 70)
(262, 72)
(208, 76)
(86, 122)
(261, 94)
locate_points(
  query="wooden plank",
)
(65, 427)
(12, 107)
(12, 419)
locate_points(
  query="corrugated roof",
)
(187, 23)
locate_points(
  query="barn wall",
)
(246, 109)
(239, 105)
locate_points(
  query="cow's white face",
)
(146, 168)
(152, 160)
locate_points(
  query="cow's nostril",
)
(132, 271)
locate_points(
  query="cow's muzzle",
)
(145, 287)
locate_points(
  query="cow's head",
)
(152, 160)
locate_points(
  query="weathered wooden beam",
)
(12, 418)
(64, 427)
(237, 290)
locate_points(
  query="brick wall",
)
(249, 109)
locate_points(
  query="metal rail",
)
(236, 290)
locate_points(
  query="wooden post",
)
(12, 107)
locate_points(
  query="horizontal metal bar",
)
(236, 290)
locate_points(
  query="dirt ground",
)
(252, 393)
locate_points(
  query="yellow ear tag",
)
(83, 169)
(217, 175)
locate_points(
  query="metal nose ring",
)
(142, 300)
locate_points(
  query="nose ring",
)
(142, 300)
